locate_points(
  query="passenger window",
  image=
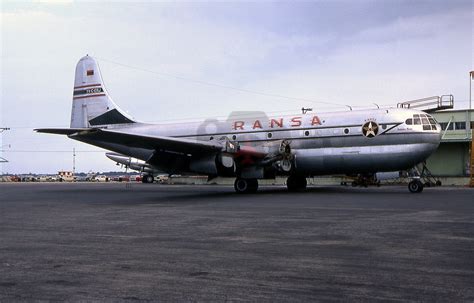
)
(409, 122)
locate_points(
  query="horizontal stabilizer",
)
(60, 131)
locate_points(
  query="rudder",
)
(91, 103)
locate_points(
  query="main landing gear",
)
(245, 186)
(296, 183)
(148, 179)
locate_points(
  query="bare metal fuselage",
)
(331, 143)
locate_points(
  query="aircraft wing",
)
(159, 143)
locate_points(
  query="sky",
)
(165, 61)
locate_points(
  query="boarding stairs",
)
(429, 104)
(425, 175)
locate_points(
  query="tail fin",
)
(91, 104)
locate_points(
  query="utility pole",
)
(2, 160)
(74, 161)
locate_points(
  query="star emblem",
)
(370, 129)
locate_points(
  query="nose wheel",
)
(415, 186)
(245, 186)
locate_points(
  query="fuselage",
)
(346, 142)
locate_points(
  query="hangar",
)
(453, 157)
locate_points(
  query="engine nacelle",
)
(214, 165)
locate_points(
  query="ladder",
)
(426, 176)
(429, 104)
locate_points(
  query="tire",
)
(296, 183)
(149, 179)
(438, 183)
(415, 186)
(244, 186)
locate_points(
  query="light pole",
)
(471, 77)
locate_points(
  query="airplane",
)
(251, 148)
(135, 164)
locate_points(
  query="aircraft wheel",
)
(244, 186)
(438, 183)
(415, 186)
(149, 179)
(296, 183)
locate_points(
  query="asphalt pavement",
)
(119, 242)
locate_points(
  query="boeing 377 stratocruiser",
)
(253, 148)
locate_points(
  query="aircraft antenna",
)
(201, 82)
(377, 105)
(350, 107)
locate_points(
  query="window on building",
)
(445, 124)
(460, 125)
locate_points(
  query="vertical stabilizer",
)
(91, 104)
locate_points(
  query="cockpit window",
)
(416, 119)
(428, 122)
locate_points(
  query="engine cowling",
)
(215, 165)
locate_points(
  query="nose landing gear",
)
(415, 186)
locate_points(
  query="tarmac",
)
(148, 242)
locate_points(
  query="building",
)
(452, 159)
